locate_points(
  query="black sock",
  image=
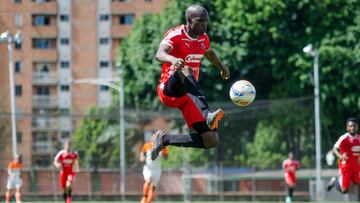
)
(193, 87)
(193, 140)
(65, 195)
(338, 186)
(290, 192)
(69, 191)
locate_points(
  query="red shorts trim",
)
(191, 112)
(66, 177)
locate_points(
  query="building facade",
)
(63, 40)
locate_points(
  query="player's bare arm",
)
(142, 157)
(57, 164)
(337, 153)
(163, 55)
(77, 166)
(215, 60)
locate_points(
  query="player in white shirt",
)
(14, 181)
(151, 170)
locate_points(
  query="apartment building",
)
(63, 39)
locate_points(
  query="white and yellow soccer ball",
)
(242, 93)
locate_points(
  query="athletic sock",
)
(193, 87)
(18, 196)
(291, 191)
(146, 189)
(65, 196)
(338, 187)
(151, 195)
(193, 140)
(7, 197)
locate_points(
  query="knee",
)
(187, 71)
(210, 139)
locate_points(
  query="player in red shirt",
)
(181, 52)
(347, 149)
(290, 166)
(66, 159)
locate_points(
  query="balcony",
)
(44, 78)
(44, 8)
(44, 101)
(44, 124)
(50, 31)
(41, 147)
(44, 54)
(120, 31)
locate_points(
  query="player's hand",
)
(178, 63)
(225, 73)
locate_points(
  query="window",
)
(19, 137)
(42, 44)
(64, 18)
(64, 111)
(64, 88)
(18, 66)
(104, 88)
(18, 1)
(18, 46)
(64, 41)
(43, 90)
(64, 64)
(41, 1)
(18, 90)
(18, 20)
(104, 64)
(126, 19)
(104, 17)
(41, 20)
(104, 40)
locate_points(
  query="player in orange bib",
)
(181, 52)
(290, 166)
(347, 149)
(66, 159)
(14, 180)
(151, 170)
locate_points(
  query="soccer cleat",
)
(213, 118)
(288, 199)
(158, 144)
(331, 184)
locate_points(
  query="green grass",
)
(182, 202)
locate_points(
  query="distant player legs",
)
(146, 188)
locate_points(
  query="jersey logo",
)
(187, 44)
(67, 161)
(355, 149)
(202, 46)
(193, 58)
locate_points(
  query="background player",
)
(290, 166)
(347, 149)
(14, 180)
(181, 52)
(66, 159)
(151, 170)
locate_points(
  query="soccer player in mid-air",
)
(67, 159)
(347, 149)
(181, 52)
(290, 166)
(151, 170)
(14, 180)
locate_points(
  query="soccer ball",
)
(242, 93)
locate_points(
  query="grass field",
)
(183, 202)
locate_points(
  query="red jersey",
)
(67, 160)
(350, 145)
(183, 46)
(290, 166)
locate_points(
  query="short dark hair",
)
(352, 119)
